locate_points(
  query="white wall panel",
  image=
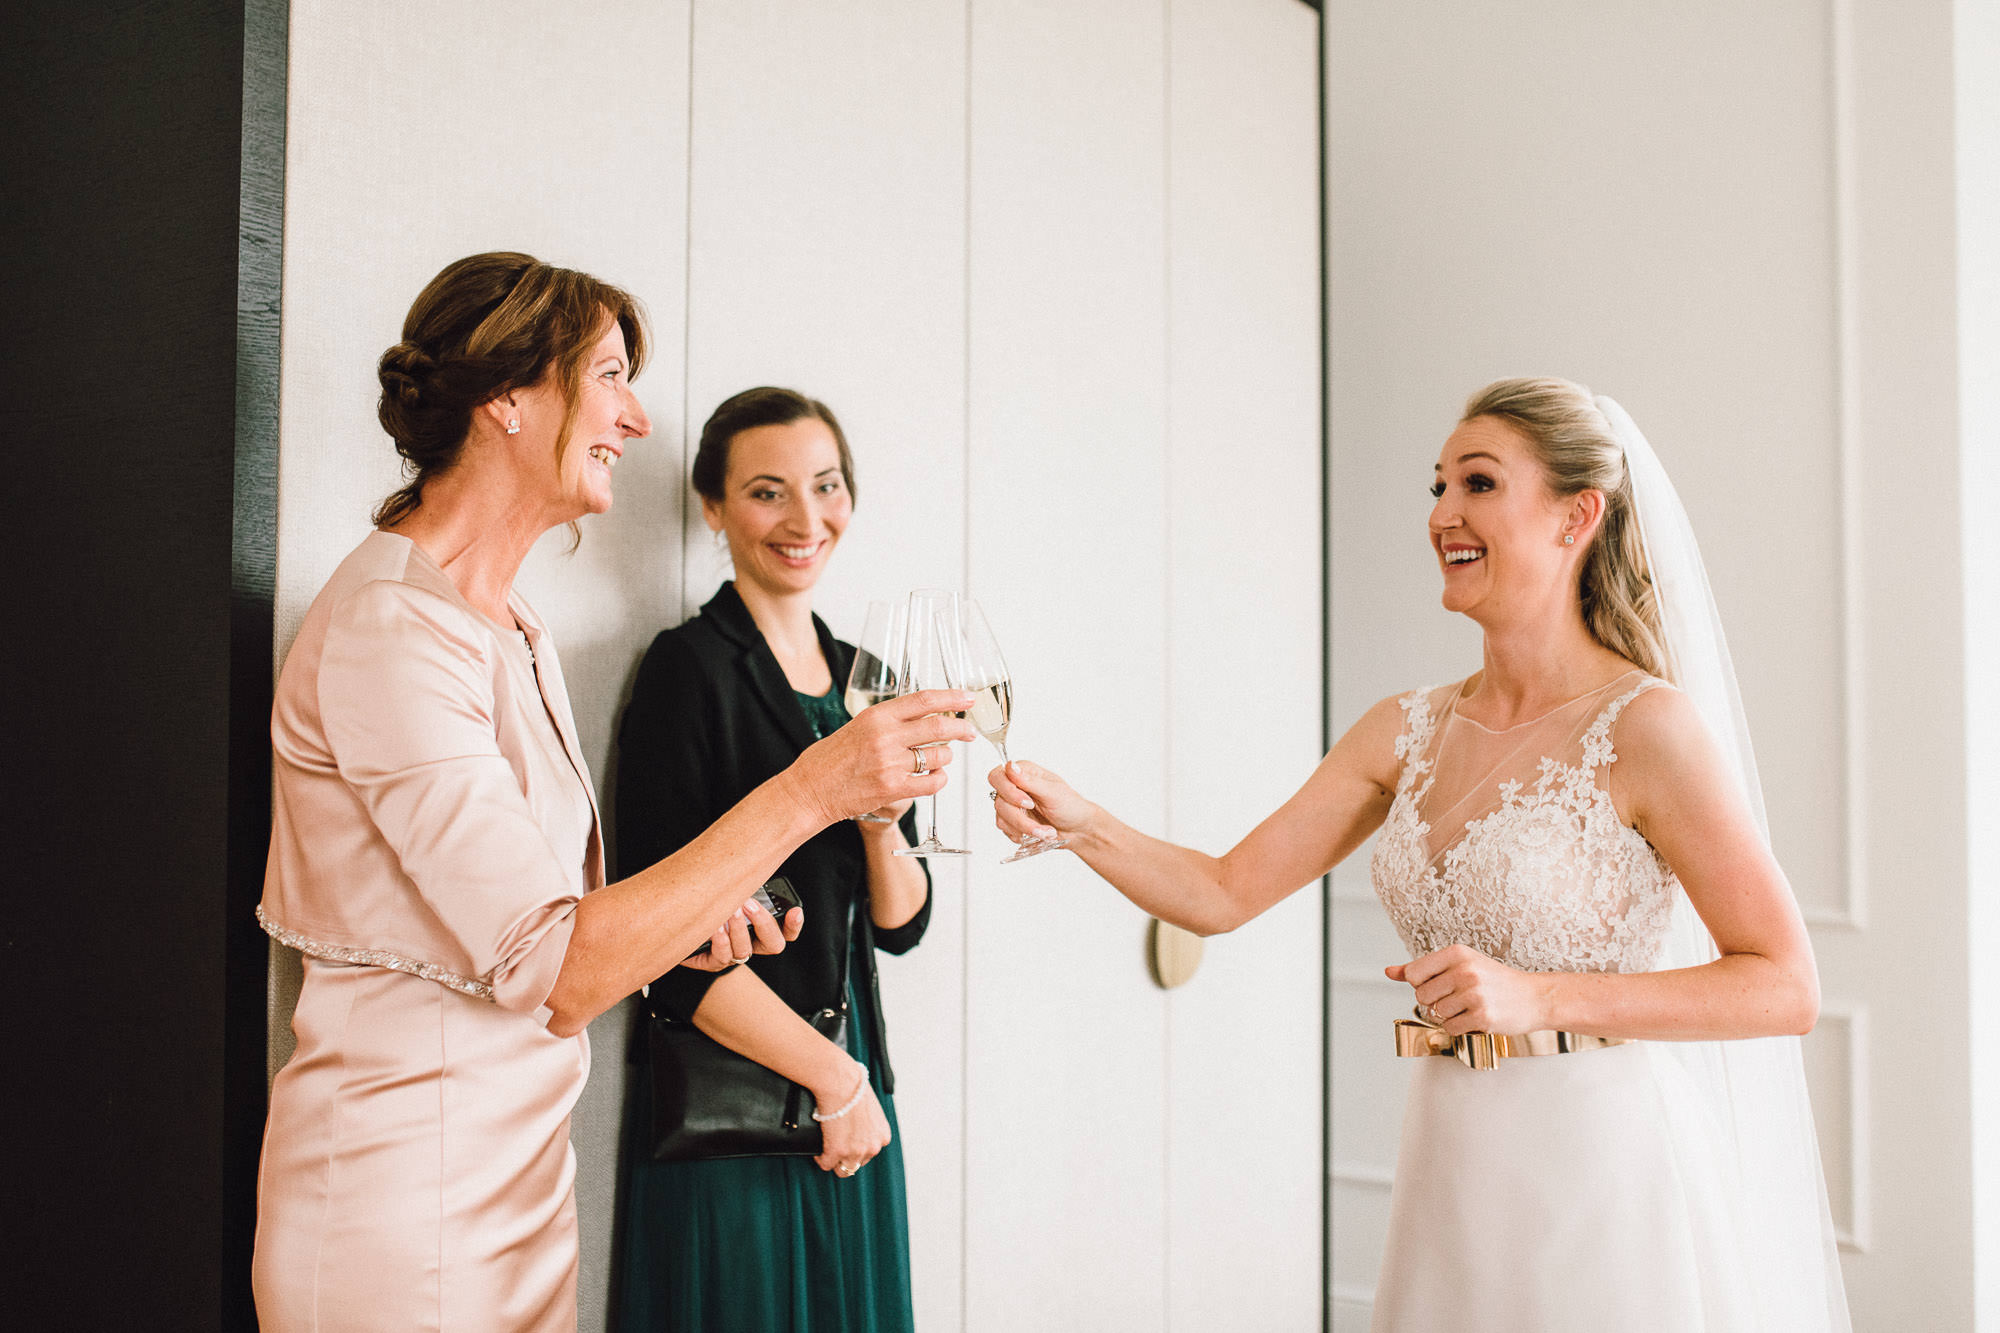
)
(1243, 647)
(970, 229)
(1899, 283)
(418, 135)
(828, 229)
(827, 222)
(1976, 28)
(1737, 220)
(1067, 510)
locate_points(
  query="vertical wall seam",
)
(1846, 279)
(965, 897)
(1166, 628)
(687, 335)
(1853, 607)
(1326, 901)
(260, 248)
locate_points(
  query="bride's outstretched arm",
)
(1342, 802)
(1673, 784)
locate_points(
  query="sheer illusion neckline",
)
(1459, 698)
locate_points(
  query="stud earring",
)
(1569, 539)
(513, 427)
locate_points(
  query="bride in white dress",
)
(1572, 849)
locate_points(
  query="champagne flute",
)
(877, 658)
(984, 675)
(932, 619)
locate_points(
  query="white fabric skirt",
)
(1581, 1191)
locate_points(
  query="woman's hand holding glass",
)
(872, 678)
(1033, 805)
(869, 763)
(932, 648)
(980, 666)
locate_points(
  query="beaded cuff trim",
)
(341, 953)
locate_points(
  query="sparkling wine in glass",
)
(877, 658)
(932, 622)
(983, 673)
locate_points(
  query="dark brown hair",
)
(759, 407)
(485, 326)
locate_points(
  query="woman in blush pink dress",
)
(435, 851)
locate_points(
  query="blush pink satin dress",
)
(433, 832)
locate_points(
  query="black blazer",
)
(712, 717)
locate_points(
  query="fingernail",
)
(753, 907)
(1027, 802)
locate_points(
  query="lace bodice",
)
(1530, 863)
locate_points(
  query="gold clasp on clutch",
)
(1474, 1050)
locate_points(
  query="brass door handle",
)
(1172, 954)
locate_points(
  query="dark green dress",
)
(767, 1244)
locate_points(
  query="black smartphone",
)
(776, 896)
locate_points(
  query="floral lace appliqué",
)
(1548, 880)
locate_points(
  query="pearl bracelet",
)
(852, 1102)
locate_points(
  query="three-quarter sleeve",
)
(406, 694)
(666, 791)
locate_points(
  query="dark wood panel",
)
(138, 809)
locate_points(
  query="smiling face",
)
(607, 414)
(1497, 529)
(784, 504)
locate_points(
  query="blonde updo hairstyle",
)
(487, 325)
(1578, 451)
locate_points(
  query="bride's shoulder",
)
(1424, 700)
(1654, 722)
(1384, 735)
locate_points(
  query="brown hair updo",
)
(759, 407)
(487, 325)
(1579, 452)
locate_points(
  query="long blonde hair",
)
(1578, 452)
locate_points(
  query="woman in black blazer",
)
(721, 704)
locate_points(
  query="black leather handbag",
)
(710, 1102)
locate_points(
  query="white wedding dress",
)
(1587, 1190)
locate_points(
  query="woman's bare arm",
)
(1343, 802)
(628, 933)
(897, 885)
